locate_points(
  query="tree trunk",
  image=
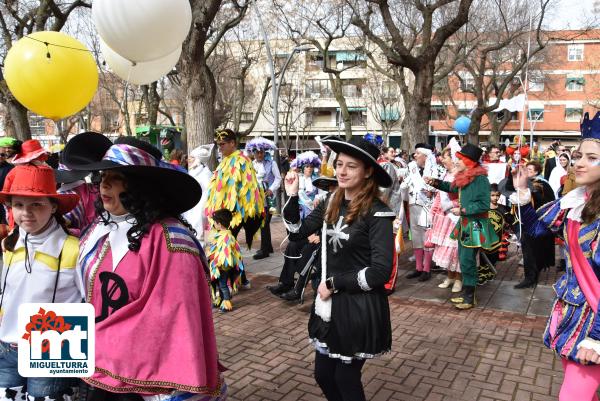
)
(19, 119)
(474, 127)
(199, 104)
(153, 103)
(418, 109)
(498, 126)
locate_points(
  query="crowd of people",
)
(138, 236)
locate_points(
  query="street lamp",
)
(276, 83)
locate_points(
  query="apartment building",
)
(561, 88)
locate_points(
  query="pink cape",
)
(163, 339)
(583, 271)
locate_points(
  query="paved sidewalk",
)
(492, 352)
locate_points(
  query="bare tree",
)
(19, 18)
(414, 34)
(211, 19)
(385, 102)
(327, 27)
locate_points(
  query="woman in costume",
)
(350, 319)
(199, 158)
(144, 272)
(308, 163)
(445, 254)
(473, 231)
(40, 259)
(558, 172)
(573, 329)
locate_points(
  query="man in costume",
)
(269, 177)
(420, 199)
(234, 187)
(473, 230)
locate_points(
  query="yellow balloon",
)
(55, 80)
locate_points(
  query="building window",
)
(353, 88)
(575, 84)
(438, 113)
(389, 114)
(358, 116)
(320, 118)
(514, 116)
(575, 52)
(536, 86)
(348, 59)
(246, 117)
(318, 88)
(467, 83)
(535, 115)
(38, 125)
(464, 112)
(573, 114)
(389, 90)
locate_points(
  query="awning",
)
(578, 81)
(574, 110)
(354, 109)
(389, 115)
(349, 56)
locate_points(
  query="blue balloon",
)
(461, 125)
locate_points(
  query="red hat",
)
(37, 181)
(30, 150)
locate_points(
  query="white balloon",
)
(141, 73)
(142, 30)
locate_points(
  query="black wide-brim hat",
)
(69, 176)
(471, 152)
(87, 151)
(365, 151)
(324, 183)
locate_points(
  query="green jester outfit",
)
(473, 230)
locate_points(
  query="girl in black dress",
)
(350, 319)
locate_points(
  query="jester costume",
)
(225, 263)
(473, 231)
(234, 187)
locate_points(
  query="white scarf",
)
(116, 230)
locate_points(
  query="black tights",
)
(339, 381)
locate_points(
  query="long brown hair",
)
(591, 210)
(359, 206)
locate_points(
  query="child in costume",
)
(146, 276)
(502, 220)
(473, 231)
(573, 329)
(40, 260)
(225, 261)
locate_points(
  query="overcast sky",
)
(571, 14)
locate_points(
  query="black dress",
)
(359, 258)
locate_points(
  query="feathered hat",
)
(305, 159)
(259, 144)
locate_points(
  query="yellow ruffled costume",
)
(234, 187)
(224, 256)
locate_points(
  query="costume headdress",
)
(305, 159)
(225, 135)
(590, 129)
(260, 143)
(93, 152)
(38, 182)
(365, 151)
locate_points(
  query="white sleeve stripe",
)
(362, 280)
(385, 214)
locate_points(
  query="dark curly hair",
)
(145, 204)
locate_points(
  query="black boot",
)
(562, 266)
(279, 289)
(468, 298)
(525, 283)
(425, 276)
(291, 295)
(413, 274)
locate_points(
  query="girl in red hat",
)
(39, 266)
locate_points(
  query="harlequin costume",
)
(234, 187)
(225, 262)
(473, 231)
(502, 220)
(41, 267)
(162, 288)
(573, 322)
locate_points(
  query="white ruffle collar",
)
(116, 230)
(575, 201)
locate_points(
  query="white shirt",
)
(37, 286)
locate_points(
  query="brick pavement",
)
(438, 353)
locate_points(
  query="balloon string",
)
(126, 88)
(47, 44)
